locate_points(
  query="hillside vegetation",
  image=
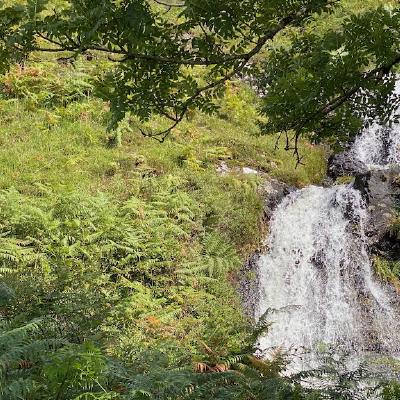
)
(128, 129)
(115, 245)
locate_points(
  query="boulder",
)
(251, 171)
(223, 169)
(342, 164)
(381, 191)
(273, 192)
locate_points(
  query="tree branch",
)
(233, 63)
(129, 56)
(245, 58)
(161, 136)
(168, 4)
(377, 73)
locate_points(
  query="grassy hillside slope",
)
(115, 239)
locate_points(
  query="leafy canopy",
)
(173, 57)
(333, 82)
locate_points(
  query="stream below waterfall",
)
(316, 280)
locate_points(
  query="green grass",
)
(40, 147)
(388, 271)
(68, 145)
(53, 132)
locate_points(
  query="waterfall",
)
(379, 146)
(317, 278)
(317, 284)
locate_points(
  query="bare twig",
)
(276, 146)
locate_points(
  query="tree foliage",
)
(333, 82)
(173, 57)
(156, 50)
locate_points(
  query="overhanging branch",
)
(245, 58)
(377, 74)
(161, 136)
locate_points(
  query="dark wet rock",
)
(381, 191)
(273, 192)
(388, 247)
(249, 285)
(343, 164)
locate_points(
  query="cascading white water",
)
(316, 280)
(379, 146)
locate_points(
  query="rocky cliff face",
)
(343, 164)
(381, 191)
